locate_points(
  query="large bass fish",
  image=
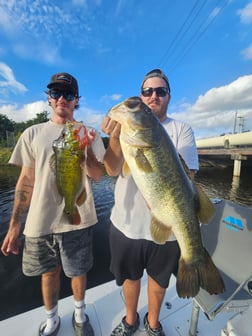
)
(69, 153)
(176, 204)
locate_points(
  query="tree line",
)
(8, 126)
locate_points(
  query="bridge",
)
(228, 149)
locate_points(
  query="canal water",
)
(19, 293)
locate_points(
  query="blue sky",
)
(204, 47)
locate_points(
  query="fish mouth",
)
(133, 102)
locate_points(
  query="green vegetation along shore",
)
(5, 154)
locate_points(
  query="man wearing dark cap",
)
(52, 242)
(131, 244)
(64, 81)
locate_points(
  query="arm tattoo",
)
(22, 197)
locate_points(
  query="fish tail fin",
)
(203, 274)
(188, 283)
(73, 216)
(210, 278)
(76, 219)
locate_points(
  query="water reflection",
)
(220, 183)
(8, 179)
(234, 188)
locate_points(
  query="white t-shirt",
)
(45, 215)
(130, 213)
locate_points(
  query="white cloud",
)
(247, 53)
(5, 18)
(89, 116)
(47, 53)
(246, 13)
(107, 99)
(8, 81)
(215, 12)
(79, 2)
(213, 113)
(42, 29)
(25, 112)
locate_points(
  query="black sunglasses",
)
(160, 91)
(69, 96)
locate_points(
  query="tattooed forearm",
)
(18, 214)
(22, 195)
(21, 203)
(22, 200)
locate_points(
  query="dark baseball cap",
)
(156, 73)
(65, 81)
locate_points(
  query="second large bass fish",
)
(176, 204)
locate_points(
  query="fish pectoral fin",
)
(125, 169)
(206, 208)
(142, 162)
(82, 197)
(159, 232)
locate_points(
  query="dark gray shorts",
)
(72, 250)
(129, 258)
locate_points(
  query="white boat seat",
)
(228, 239)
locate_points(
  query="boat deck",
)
(105, 308)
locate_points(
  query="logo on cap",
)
(64, 78)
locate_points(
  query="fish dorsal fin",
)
(206, 209)
(142, 162)
(52, 163)
(184, 165)
(159, 232)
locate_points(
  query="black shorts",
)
(129, 258)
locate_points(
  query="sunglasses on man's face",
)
(160, 91)
(69, 96)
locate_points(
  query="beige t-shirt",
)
(45, 215)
